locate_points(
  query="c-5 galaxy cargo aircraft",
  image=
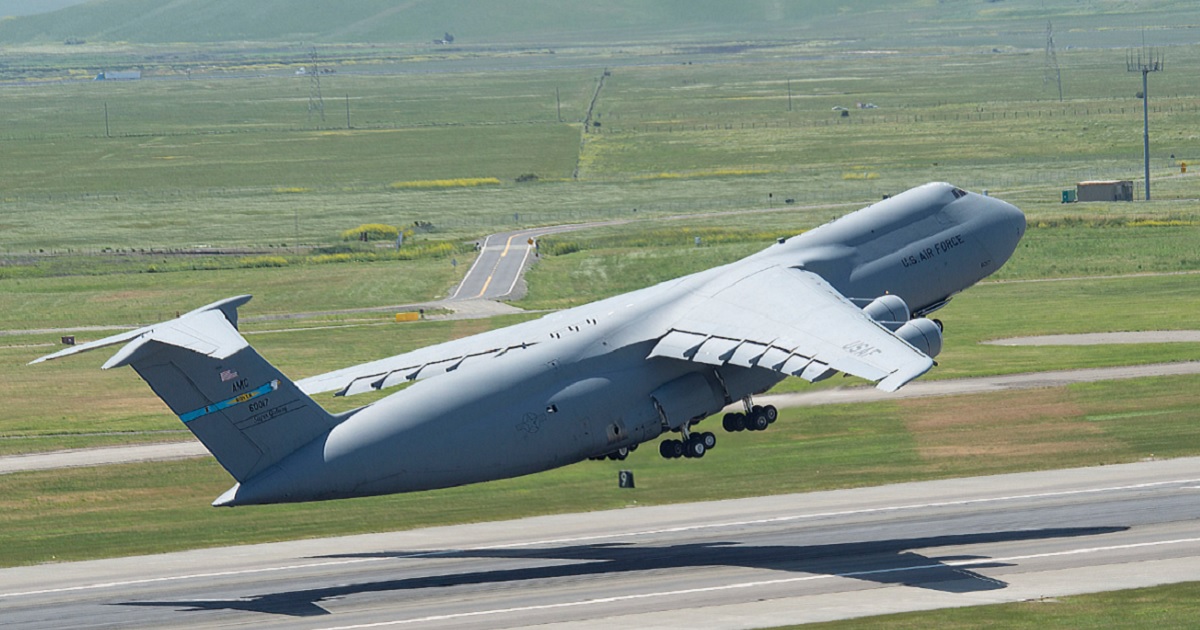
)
(593, 381)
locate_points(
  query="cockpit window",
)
(958, 193)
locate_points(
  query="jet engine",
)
(889, 310)
(922, 334)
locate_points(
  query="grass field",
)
(1170, 606)
(146, 508)
(217, 149)
(242, 161)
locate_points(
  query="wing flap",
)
(678, 344)
(795, 365)
(716, 350)
(748, 354)
(791, 321)
(412, 366)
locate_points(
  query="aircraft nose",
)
(1008, 227)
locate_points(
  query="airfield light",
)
(1146, 61)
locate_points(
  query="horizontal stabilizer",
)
(182, 331)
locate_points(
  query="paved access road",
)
(730, 564)
(498, 271)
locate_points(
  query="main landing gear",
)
(756, 418)
(693, 445)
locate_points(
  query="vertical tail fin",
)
(247, 413)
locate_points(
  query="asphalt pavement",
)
(744, 563)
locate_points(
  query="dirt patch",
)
(1036, 423)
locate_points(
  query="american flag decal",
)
(228, 375)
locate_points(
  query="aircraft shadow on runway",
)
(884, 562)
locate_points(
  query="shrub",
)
(461, 182)
(263, 261)
(371, 232)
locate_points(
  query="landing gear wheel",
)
(734, 422)
(771, 413)
(670, 449)
(757, 422)
(709, 440)
(694, 448)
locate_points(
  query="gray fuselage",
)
(585, 388)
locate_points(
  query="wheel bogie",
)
(671, 449)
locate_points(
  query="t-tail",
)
(247, 413)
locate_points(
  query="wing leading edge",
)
(791, 321)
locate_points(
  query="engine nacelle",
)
(686, 398)
(922, 334)
(889, 310)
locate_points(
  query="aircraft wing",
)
(411, 366)
(791, 321)
(781, 318)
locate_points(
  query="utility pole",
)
(789, 95)
(106, 133)
(1146, 61)
(558, 104)
(347, 111)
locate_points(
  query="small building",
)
(119, 75)
(1114, 190)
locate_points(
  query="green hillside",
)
(31, 7)
(566, 21)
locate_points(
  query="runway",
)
(730, 564)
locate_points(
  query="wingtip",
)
(901, 377)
